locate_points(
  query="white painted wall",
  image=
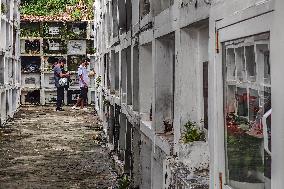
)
(277, 45)
(146, 78)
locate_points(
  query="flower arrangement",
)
(236, 125)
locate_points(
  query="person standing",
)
(83, 83)
(59, 83)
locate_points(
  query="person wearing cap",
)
(83, 83)
(58, 74)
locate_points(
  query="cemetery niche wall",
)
(42, 43)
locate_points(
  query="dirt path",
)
(42, 149)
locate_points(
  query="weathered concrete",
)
(41, 148)
(10, 67)
(159, 87)
(180, 47)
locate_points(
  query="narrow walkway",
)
(42, 149)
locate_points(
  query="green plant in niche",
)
(29, 32)
(192, 133)
(76, 30)
(106, 102)
(26, 33)
(4, 8)
(76, 15)
(91, 50)
(30, 29)
(98, 81)
(124, 182)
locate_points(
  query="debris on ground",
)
(41, 148)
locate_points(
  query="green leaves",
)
(192, 133)
(124, 182)
(76, 14)
(4, 8)
(57, 7)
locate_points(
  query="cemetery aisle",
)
(42, 148)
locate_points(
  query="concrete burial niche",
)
(49, 62)
(30, 29)
(114, 19)
(122, 137)
(106, 67)
(50, 97)
(146, 162)
(3, 107)
(54, 46)
(2, 70)
(159, 6)
(76, 47)
(116, 70)
(135, 78)
(30, 97)
(77, 30)
(164, 79)
(112, 69)
(31, 80)
(72, 96)
(53, 29)
(30, 64)
(193, 69)
(31, 46)
(47, 80)
(74, 61)
(128, 76)
(146, 81)
(144, 7)
(123, 74)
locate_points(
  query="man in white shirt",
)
(83, 83)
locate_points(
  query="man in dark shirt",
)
(60, 89)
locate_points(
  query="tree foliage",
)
(76, 8)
